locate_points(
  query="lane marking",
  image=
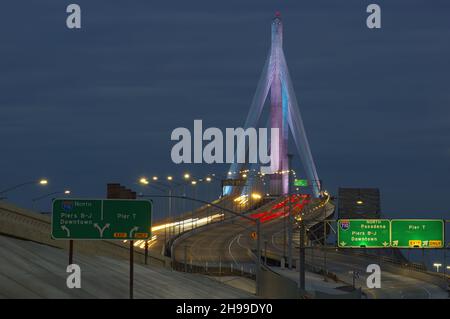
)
(229, 248)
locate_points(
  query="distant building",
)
(359, 203)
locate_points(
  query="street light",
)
(143, 181)
(359, 202)
(36, 199)
(208, 179)
(42, 182)
(437, 265)
(187, 176)
(169, 178)
(256, 196)
(155, 178)
(256, 221)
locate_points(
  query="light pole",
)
(171, 185)
(36, 199)
(169, 189)
(41, 182)
(437, 266)
(291, 215)
(194, 195)
(145, 182)
(186, 177)
(170, 178)
(257, 226)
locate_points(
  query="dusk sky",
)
(97, 105)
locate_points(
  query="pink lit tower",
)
(284, 114)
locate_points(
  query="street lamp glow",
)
(244, 175)
(143, 181)
(208, 179)
(169, 178)
(194, 182)
(155, 178)
(437, 265)
(67, 192)
(187, 176)
(256, 196)
(43, 182)
(359, 202)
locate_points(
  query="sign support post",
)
(301, 262)
(131, 268)
(258, 257)
(70, 252)
(146, 252)
(291, 214)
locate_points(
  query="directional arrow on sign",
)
(101, 230)
(66, 229)
(343, 243)
(385, 244)
(134, 229)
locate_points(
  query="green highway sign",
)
(301, 182)
(101, 219)
(367, 233)
(417, 233)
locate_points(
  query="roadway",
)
(229, 244)
(32, 270)
(230, 241)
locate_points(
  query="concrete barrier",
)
(356, 294)
(275, 286)
(24, 224)
(436, 279)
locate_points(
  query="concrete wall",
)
(436, 279)
(24, 224)
(357, 294)
(275, 286)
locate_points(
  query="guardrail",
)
(269, 277)
(214, 270)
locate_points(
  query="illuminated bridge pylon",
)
(284, 114)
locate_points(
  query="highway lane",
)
(230, 244)
(165, 230)
(227, 243)
(230, 241)
(392, 285)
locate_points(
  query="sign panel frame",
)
(137, 232)
(301, 182)
(419, 220)
(387, 241)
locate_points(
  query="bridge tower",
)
(278, 113)
(284, 115)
